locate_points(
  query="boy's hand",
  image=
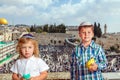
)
(93, 67)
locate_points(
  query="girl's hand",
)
(32, 78)
(21, 78)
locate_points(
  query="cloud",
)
(69, 12)
(111, 1)
(39, 3)
(77, 12)
(24, 7)
(17, 11)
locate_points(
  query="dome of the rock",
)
(3, 21)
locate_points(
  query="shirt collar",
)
(91, 44)
(31, 58)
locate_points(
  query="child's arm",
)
(102, 60)
(15, 76)
(42, 76)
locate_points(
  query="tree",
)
(99, 34)
(39, 31)
(57, 29)
(28, 29)
(61, 28)
(51, 29)
(32, 28)
(97, 30)
(45, 28)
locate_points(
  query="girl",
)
(29, 65)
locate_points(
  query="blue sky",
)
(69, 12)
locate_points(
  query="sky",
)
(68, 12)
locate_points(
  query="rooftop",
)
(3, 44)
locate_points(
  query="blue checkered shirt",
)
(79, 58)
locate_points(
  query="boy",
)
(86, 50)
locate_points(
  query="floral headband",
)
(28, 36)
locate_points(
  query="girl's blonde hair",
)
(24, 40)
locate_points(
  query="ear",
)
(79, 34)
(93, 34)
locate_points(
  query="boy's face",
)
(27, 49)
(86, 34)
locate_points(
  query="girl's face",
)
(86, 34)
(27, 49)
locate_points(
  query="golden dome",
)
(3, 21)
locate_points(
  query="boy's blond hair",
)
(22, 41)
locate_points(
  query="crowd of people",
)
(6, 67)
(57, 58)
(113, 63)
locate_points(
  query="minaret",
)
(105, 29)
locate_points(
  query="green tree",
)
(39, 29)
(32, 29)
(45, 28)
(97, 30)
(99, 34)
(28, 29)
(61, 28)
(51, 29)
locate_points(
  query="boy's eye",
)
(30, 47)
(83, 32)
(89, 32)
(23, 47)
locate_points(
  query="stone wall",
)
(66, 76)
(51, 76)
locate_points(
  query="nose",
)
(26, 49)
(86, 33)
